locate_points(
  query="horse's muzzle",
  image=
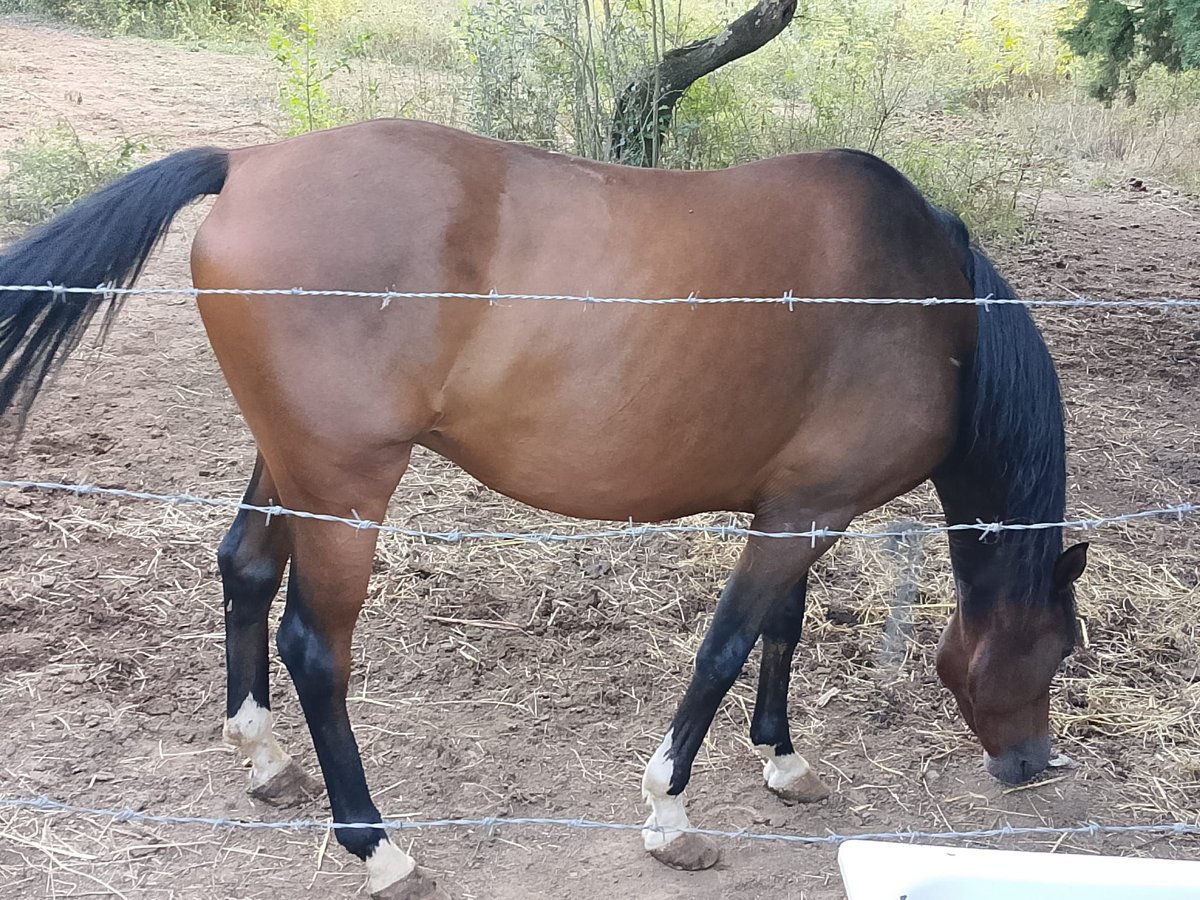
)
(1020, 763)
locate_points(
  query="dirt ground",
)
(533, 680)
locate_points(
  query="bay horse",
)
(811, 415)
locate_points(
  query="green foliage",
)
(51, 168)
(180, 19)
(547, 72)
(516, 96)
(860, 73)
(977, 102)
(304, 96)
(982, 177)
(1186, 32)
(1125, 41)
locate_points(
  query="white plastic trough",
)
(879, 870)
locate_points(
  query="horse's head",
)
(998, 662)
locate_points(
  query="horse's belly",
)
(614, 475)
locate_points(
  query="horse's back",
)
(452, 211)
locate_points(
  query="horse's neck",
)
(1008, 563)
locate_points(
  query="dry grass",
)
(1155, 140)
(471, 649)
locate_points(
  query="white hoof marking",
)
(387, 865)
(251, 732)
(782, 772)
(667, 813)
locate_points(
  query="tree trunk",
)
(644, 110)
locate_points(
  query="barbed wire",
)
(1090, 829)
(631, 531)
(493, 297)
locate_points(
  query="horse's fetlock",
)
(769, 730)
(362, 842)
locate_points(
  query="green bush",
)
(548, 72)
(1125, 40)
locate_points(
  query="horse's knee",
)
(307, 655)
(719, 661)
(249, 575)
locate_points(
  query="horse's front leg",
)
(785, 771)
(766, 571)
(251, 559)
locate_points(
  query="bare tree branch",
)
(644, 111)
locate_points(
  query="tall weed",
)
(48, 169)
(304, 96)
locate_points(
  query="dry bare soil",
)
(535, 680)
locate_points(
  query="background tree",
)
(1126, 39)
(643, 112)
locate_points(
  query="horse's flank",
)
(625, 411)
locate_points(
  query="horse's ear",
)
(1069, 566)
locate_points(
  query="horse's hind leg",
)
(331, 569)
(766, 571)
(786, 772)
(251, 559)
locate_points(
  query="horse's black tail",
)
(104, 239)
(1012, 419)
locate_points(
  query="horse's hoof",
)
(416, 885)
(291, 787)
(807, 788)
(689, 852)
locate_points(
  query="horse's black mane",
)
(1010, 462)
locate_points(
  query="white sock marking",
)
(387, 865)
(781, 772)
(251, 732)
(666, 812)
